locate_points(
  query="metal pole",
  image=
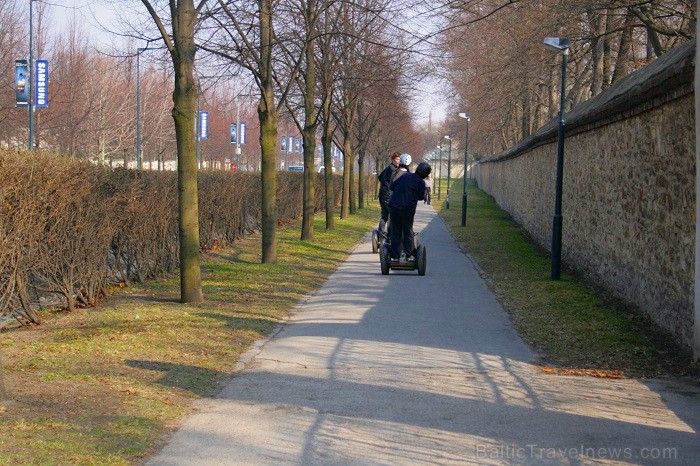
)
(238, 134)
(30, 85)
(464, 186)
(440, 171)
(138, 107)
(198, 129)
(449, 168)
(557, 220)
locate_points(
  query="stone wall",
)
(628, 201)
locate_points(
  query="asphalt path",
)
(403, 369)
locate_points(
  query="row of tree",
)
(334, 69)
(510, 83)
(92, 111)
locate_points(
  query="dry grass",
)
(574, 324)
(109, 385)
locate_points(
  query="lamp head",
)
(465, 115)
(558, 44)
(448, 138)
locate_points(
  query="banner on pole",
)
(203, 125)
(284, 143)
(297, 144)
(41, 84)
(290, 144)
(242, 135)
(21, 83)
(233, 133)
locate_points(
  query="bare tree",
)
(515, 91)
(309, 12)
(326, 83)
(180, 42)
(249, 38)
(11, 37)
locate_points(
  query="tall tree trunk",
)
(268, 180)
(309, 135)
(267, 114)
(607, 51)
(623, 66)
(361, 180)
(353, 186)
(347, 168)
(597, 25)
(374, 178)
(327, 137)
(182, 48)
(184, 114)
(327, 140)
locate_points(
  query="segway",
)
(420, 262)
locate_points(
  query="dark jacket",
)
(407, 190)
(385, 178)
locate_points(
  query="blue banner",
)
(242, 135)
(21, 83)
(203, 125)
(233, 133)
(284, 143)
(297, 144)
(41, 84)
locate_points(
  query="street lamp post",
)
(198, 125)
(559, 44)
(30, 85)
(439, 170)
(238, 134)
(467, 117)
(449, 168)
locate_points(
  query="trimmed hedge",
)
(70, 228)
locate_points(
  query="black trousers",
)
(401, 232)
(385, 214)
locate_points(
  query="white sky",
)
(95, 15)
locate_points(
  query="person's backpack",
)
(396, 175)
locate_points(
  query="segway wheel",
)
(421, 260)
(375, 242)
(384, 258)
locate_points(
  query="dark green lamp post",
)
(449, 168)
(439, 170)
(559, 44)
(467, 117)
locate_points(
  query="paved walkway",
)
(402, 369)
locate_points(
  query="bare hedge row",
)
(70, 228)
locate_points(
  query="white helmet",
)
(405, 159)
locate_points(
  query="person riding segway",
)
(380, 234)
(407, 190)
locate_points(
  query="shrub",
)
(70, 228)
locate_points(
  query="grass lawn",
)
(108, 385)
(577, 327)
